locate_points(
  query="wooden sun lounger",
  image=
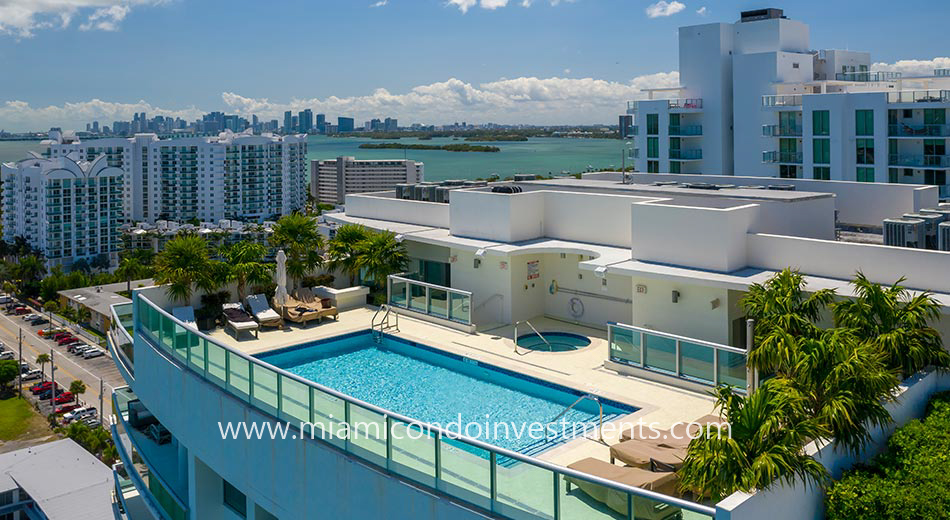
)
(662, 482)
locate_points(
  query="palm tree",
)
(381, 255)
(185, 264)
(30, 268)
(342, 249)
(762, 445)
(245, 260)
(42, 360)
(298, 236)
(895, 321)
(130, 268)
(781, 304)
(77, 388)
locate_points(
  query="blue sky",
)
(104, 58)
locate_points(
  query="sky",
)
(68, 62)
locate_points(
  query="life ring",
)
(577, 307)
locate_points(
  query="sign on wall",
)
(534, 269)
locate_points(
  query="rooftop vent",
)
(782, 187)
(665, 183)
(506, 188)
(761, 14)
(525, 177)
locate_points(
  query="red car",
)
(63, 398)
(66, 339)
(61, 334)
(19, 311)
(39, 387)
(67, 408)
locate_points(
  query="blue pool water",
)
(437, 387)
(556, 341)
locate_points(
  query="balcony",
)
(686, 103)
(687, 155)
(781, 131)
(868, 76)
(919, 96)
(634, 154)
(782, 157)
(793, 100)
(905, 130)
(940, 73)
(686, 130)
(919, 161)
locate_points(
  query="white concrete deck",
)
(582, 370)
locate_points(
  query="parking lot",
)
(69, 367)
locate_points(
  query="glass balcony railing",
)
(686, 155)
(906, 130)
(868, 76)
(686, 130)
(922, 161)
(782, 157)
(631, 107)
(919, 96)
(120, 337)
(694, 360)
(430, 299)
(793, 100)
(781, 131)
(634, 154)
(942, 72)
(504, 483)
(686, 103)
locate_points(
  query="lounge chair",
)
(186, 315)
(680, 430)
(643, 454)
(662, 482)
(297, 311)
(262, 312)
(238, 320)
(322, 305)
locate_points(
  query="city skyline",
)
(545, 72)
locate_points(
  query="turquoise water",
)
(435, 387)
(556, 341)
(542, 155)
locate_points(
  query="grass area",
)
(19, 421)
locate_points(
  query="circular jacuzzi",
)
(556, 341)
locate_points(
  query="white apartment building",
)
(65, 207)
(331, 180)
(756, 99)
(230, 176)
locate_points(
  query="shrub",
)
(907, 481)
(316, 281)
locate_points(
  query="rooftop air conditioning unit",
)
(506, 188)
(525, 177)
(404, 191)
(943, 234)
(782, 187)
(937, 211)
(475, 184)
(904, 232)
(442, 194)
(931, 221)
(453, 182)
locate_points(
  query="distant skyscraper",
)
(344, 124)
(288, 122)
(391, 124)
(322, 123)
(306, 120)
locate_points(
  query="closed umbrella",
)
(280, 296)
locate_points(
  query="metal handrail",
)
(545, 340)
(431, 285)
(563, 470)
(693, 341)
(600, 425)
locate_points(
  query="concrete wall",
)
(799, 501)
(693, 315)
(490, 285)
(597, 311)
(398, 210)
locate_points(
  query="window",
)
(653, 124)
(935, 116)
(821, 173)
(864, 122)
(865, 175)
(653, 147)
(865, 151)
(653, 166)
(788, 123)
(674, 147)
(822, 151)
(934, 152)
(234, 499)
(788, 171)
(675, 167)
(820, 122)
(893, 175)
(935, 178)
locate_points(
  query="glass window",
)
(865, 175)
(935, 116)
(653, 124)
(788, 123)
(865, 151)
(675, 167)
(820, 122)
(822, 151)
(653, 166)
(821, 173)
(893, 176)
(864, 122)
(653, 147)
(234, 499)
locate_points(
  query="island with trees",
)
(444, 147)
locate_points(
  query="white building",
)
(68, 208)
(755, 99)
(231, 176)
(332, 180)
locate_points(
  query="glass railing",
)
(430, 299)
(919, 96)
(906, 130)
(686, 155)
(690, 359)
(502, 482)
(793, 100)
(782, 157)
(868, 76)
(120, 337)
(923, 161)
(781, 131)
(686, 130)
(686, 103)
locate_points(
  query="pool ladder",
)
(384, 324)
(528, 323)
(600, 406)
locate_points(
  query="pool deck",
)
(582, 369)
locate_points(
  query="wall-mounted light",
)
(676, 296)
(478, 257)
(478, 262)
(399, 238)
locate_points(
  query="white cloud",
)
(914, 67)
(22, 18)
(492, 4)
(381, 3)
(664, 8)
(465, 5)
(519, 100)
(567, 71)
(702, 11)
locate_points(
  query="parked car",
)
(20, 311)
(79, 351)
(92, 422)
(39, 387)
(31, 316)
(24, 367)
(61, 334)
(7, 354)
(74, 346)
(66, 397)
(76, 341)
(5, 299)
(32, 374)
(50, 332)
(66, 339)
(67, 408)
(93, 353)
(48, 393)
(39, 321)
(80, 413)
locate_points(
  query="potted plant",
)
(207, 315)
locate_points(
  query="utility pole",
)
(101, 413)
(52, 378)
(19, 383)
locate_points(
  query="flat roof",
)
(100, 297)
(65, 481)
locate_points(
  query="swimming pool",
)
(556, 341)
(442, 388)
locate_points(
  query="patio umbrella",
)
(280, 296)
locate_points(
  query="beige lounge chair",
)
(324, 306)
(262, 312)
(297, 311)
(238, 320)
(661, 482)
(642, 454)
(682, 431)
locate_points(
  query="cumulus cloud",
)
(23, 18)
(381, 3)
(702, 11)
(914, 67)
(518, 100)
(664, 8)
(465, 5)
